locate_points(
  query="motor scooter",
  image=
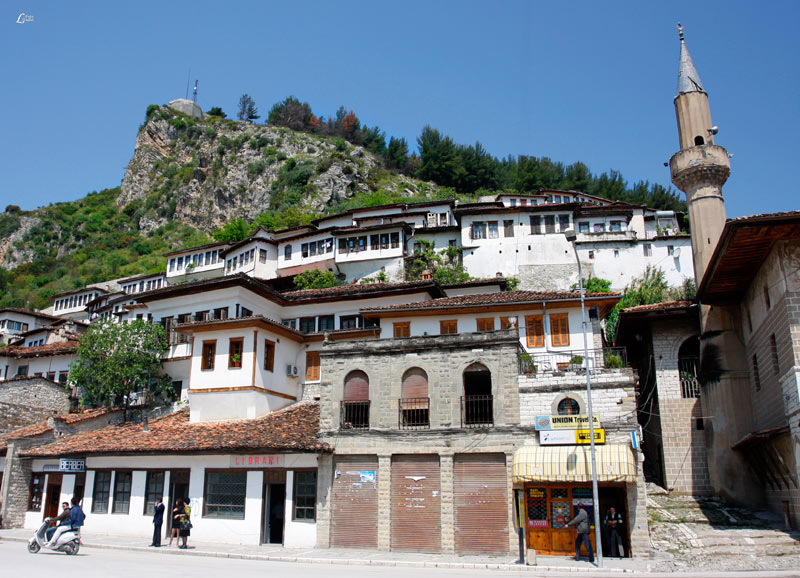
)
(69, 541)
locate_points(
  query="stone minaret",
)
(700, 168)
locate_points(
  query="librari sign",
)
(550, 422)
(256, 461)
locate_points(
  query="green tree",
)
(247, 108)
(316, 279)
(234, 230)
(594, 285)
(396, 156)
(115, 360)
(650, 288)
(216, 111)
(292, 114)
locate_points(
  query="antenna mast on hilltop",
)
(194, 95)
(188, 79)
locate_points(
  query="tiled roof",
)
(44, 427)
(292, 429)
(60, 348)
(355, 289)
(484, 299)
(765, 216)
(29, 312)
(665, 306)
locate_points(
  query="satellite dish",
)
(677, 252)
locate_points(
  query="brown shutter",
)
(559, 328)
(415, 383)
(356, 386)
(354, 517)
(534, 328)
(312, 365)
(481, 504)
(416, 504)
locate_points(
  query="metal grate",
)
(354, 415)
(414, 413)
(225, 494)
(477, 410)
(687, 368)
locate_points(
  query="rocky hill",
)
(204, 172)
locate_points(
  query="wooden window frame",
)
(508, 228)
(448, 326)
(534, 339)
(401, 329)
(559, 338)
(312, 495)
(484, 324)
(115, 508)
(508, 322)
(36, 492)
(269, 355)
(106, 491)
(207, 361)
(150, 496)
(313, 372)
(231, 342)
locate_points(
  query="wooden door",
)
(51, 506)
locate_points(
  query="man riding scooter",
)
(75, 521)
(61, 520)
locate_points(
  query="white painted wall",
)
(139, 525)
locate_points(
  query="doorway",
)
(273, 499)
(51, 506)
(178, 488)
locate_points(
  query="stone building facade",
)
(29, 400)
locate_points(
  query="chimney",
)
(145, 424)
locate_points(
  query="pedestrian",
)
(185, 524)
(581, 523)
(176, 522)
(612, 522)
(158, 520)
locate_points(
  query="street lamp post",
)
(571, 237)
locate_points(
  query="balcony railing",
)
(414, 413)
(477, 410)
(354, 415)
(562, 361)
(687, 368)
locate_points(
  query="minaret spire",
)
(688, 79)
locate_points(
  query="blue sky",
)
(583, 80)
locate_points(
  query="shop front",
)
(555, 480)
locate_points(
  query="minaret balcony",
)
(699, 165)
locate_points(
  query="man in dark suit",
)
(158, 520)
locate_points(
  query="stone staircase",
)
(708, 534)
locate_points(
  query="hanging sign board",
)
(552, 422)
(71, 465)
(565, 437)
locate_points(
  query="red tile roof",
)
(292, 429)
(665, 306)
(60, 348)
(44, 427)
(488, 299)
(359, 289)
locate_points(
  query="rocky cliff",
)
(205, 172)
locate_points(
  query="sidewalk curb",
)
(346, 561)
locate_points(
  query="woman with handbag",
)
(185, 524)
(176, 522)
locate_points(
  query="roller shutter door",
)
(416, 504)
(354, 517)
(481, 504)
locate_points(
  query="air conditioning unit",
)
(291, 370)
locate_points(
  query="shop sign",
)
(257, 461)
(71, 465)
(556, 422)
(564, 437)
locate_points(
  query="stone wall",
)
(683, 446)
(15, 489)
(16, 416)
(38, 394)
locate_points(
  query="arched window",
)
(355, 401)
(414, 403)
(568, 406)
(477, 404)
(688, 365)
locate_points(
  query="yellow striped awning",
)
(615, 463)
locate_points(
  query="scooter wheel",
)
(33, 547)
(72, 548)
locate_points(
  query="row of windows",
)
(534, 328)
(196, 260)
(613, 227)
(59, 376)
(74, 301)
(538, 225)
(311, 249)
(149, 285)
(35, 342)
(376, 242)
(245, 258)
(328, 323)
(13, 326)
(225, 493)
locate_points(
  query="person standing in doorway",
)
(613, 523)
(176, 522)
(185, 524)
(581, 523)
(158, 521)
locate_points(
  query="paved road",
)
(16, 562)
